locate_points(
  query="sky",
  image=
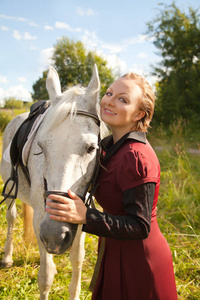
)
(115, 29)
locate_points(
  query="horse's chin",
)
(59, 249)
(57, 239)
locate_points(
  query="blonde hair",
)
(147, 101)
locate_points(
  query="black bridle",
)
(91, 186)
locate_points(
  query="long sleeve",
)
(135, 224)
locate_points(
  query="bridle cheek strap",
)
(91, 186)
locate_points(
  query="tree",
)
(39, 87)
(176, 36)
(74, 66)
(13, 103)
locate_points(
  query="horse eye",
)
(40, 152)
(91, 149)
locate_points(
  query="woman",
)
(136, 262)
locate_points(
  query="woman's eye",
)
(108, 94)
(122, 100)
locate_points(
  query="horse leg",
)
(47, 266)
(11, 214)
(77, 254)
(46, 273)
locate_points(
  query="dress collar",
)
(110, 148)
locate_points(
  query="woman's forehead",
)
(127, 86)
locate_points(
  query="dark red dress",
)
(133, 269)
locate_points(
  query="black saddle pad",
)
(22, 133)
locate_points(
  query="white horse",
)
(62, 156)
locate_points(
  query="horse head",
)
(68, 143)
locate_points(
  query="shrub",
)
(5, 118)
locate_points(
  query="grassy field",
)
(178, 216)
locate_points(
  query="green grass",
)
(178, 216)
(179, 204)
(6, 115)
(20, 281)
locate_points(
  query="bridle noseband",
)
(91, 186)
(90, 115)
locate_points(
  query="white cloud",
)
(13, 18)
(91, 40)
(18, 92)
(114, 62)
(144, 71)
(1, 100)
(21, 79)
(3, 79)
(33, 24)
(85, 12)
(4, 28)
(152, 81)
(62, 25)
(136, 40)
(137, 68)
(45, 58)
(47, 27)
(143, 54)
(17, 35)
(19, 19)
(112, 48)
(25, 36)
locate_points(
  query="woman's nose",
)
(110, 101)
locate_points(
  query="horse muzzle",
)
(57, 237)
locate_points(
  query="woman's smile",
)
(109, 112)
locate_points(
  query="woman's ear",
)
(139, 116)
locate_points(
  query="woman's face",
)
(120, 105)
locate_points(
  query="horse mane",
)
(67, 105)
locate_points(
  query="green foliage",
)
(74, 65)
(178, 216)
(176, 36)
(6, 115)
(13, 103)
(39, 87)
(5, 118)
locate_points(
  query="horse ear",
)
(53, 85)
(92, 92)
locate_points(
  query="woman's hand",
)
(71, 210)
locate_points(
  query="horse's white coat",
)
(64, 162)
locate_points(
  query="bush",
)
(5, 118)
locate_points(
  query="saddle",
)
(16, 148)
